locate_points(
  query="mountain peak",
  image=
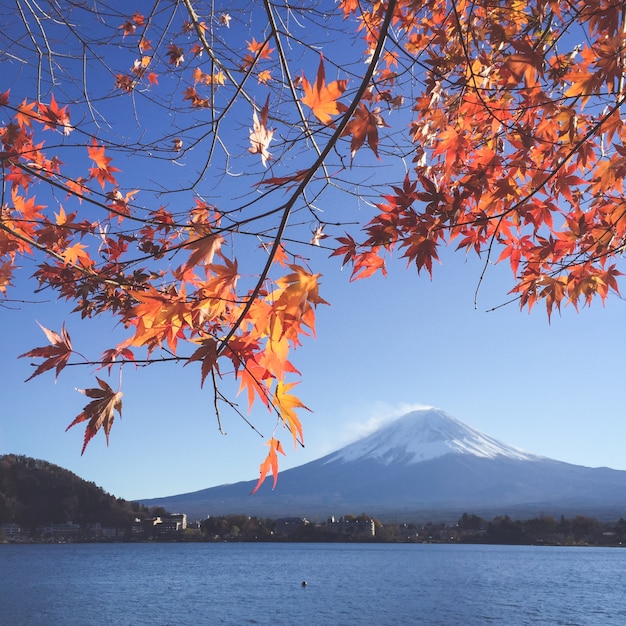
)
(423, 435)
(423, 464)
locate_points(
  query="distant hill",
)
(426, 464)
(35, 492)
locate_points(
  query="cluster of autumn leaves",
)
(519, 144)
(516, 151)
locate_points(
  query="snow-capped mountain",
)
(425, 464)
(424, 435)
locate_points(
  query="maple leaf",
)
(110, 356)
(176, 55)
(196, 99)
(348, 7)
(270, 463)
(366, 264)
(77, 188)
(124, 82)
(103, 172)
(286, 402)
(224, 277)
(6, 273)
(53, 116)
(130, 26)
(348, 249)
(260, 48)
(260, 136)
(204, 247)
(318, 235)
(364, 125)
(422, 250)
(207, 353)
(217, 78)
(56, 355)
(526, 65)
(252, 377)
(264, 77)
(454, 144)
(25, 114)
(322, 97)
(100, 412)
(76, 255)
(279, 181)
(27, 207)
(160, 316)
(140, 65)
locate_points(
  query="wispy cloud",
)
(365, 421)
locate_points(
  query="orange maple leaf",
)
(76, 255)
(348, 7)
(453, 144)
(56, 355)
(77, 188)
(260, 48)
(252, 379)
(221, 280)
(264, 77)
(365, 264)
(196, 99)
(25, 114)
(103, 170)
(100, 412)
(270, 463)
(322, 97)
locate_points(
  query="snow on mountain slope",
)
(424, 435)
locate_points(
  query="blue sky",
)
(384, 346)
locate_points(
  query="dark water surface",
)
(381, 584)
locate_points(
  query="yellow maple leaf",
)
(286, 403)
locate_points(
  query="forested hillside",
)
(34, 492)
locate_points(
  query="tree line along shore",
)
(42, 502)
(159, 525)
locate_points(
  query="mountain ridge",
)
(424, 463)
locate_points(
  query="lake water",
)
(380, 584)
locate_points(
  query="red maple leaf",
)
(100, 412)
(56, 355)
